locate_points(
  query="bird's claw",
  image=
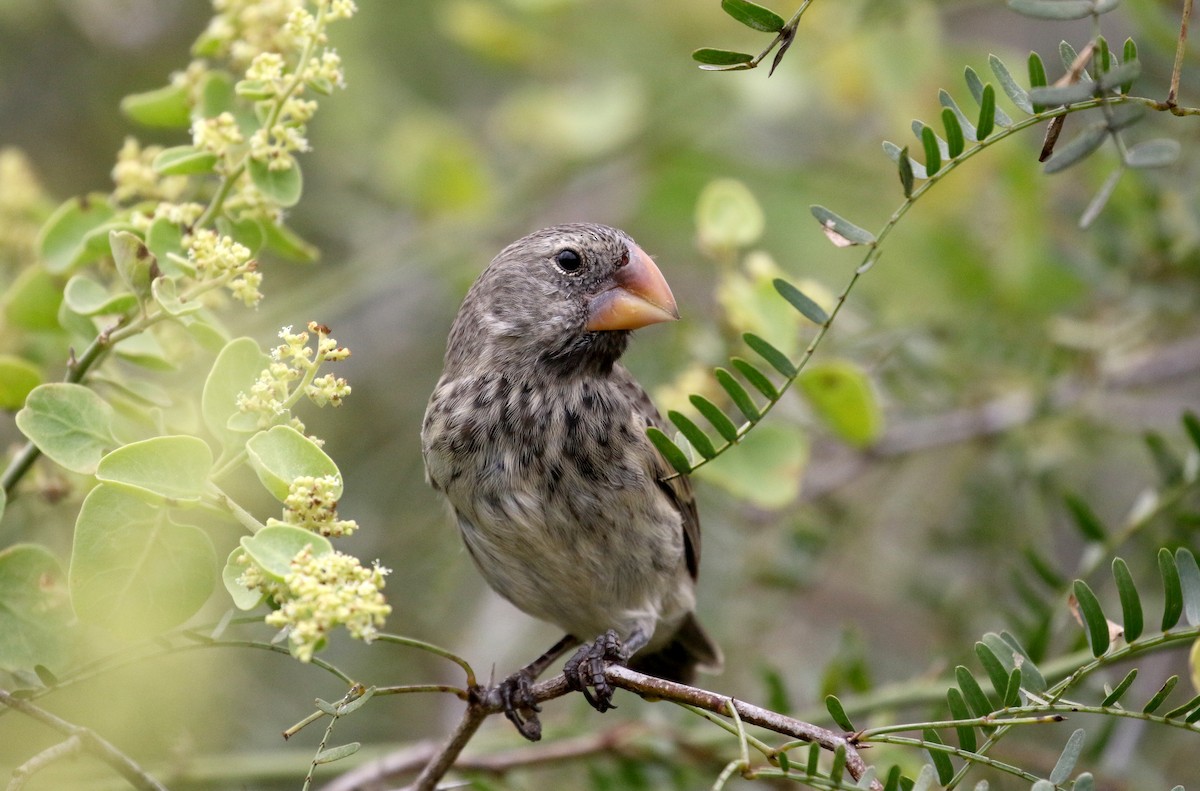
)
(586, 669)
(516, 693)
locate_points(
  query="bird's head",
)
(566, 296)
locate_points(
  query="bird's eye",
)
(568, 260)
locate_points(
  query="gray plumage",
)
(535, 434)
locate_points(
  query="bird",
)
(535, 435)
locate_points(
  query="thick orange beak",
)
(639, 297)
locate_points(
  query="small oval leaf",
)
(753, 15)
(669, 450)
(720, 57)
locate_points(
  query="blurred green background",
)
(1015, 356)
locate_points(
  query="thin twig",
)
(487, 702)
(1180, 48)
(89, 740)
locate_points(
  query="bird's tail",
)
(691, 649)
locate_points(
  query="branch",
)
(89, 740)
(485, 702)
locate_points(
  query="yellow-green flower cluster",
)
(312, 503)
(218, 257)
(22, 206)
(272, 396)
(222, 137)
(320, 593)
(135, 177)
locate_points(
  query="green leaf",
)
(69, 423)
(753, 15)
(837, 768)
(1129, 52)
(714, 415)
(1018, 95)
(145, 350)
(184, 161)
(841, 395)
(997, 673)
(767, 469)
(247, 231)
(1031, 677)
(18, 378)
(1061, 95)
(741, 399)
(979, 92)
(1172, 589)
(88, 298)
(1044, 570)
(288, 244)
(36, 612)
(273, 548)
(1093, 617)
(772, 355)
(1059, 9)
(1085, 518)
(838, 713)
(31, 301)
(947, 101)
(893, 779)
(906, 172)
(164, 291)
(694, 434)
(1179, 712)
(941, 761)
(801, 302)
(1189, 582)
(955, 142)
(62, 239)
(1170, 466)
(1122, 75)
(987, 113)
(756, 378)
(1131, 603)
(1100, 199)
(1067, 758)
(280, 186)
(841, 232)
(243, 598)
(281, 454)
(933, 155)
(217, 94)
(959, 711)
(235, 370)
(1113, 697)
(893, 152)
(174, 468)
(135, 263)
(165, 240)
(1079, 148)
(1153, 704)
(1037, 79)
(1068, 55)
(972, 692)
(1153, 153)
(166, 107)
(720, 57)
(331, 754)
(134, 571)
(1191, 424)
(356, 704)
(669, 450)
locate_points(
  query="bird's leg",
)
(516, 690)
(586, 667)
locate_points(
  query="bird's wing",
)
(678, 489)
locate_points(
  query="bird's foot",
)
(586, 669)
(516, 693)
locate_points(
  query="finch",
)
(536, 436)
